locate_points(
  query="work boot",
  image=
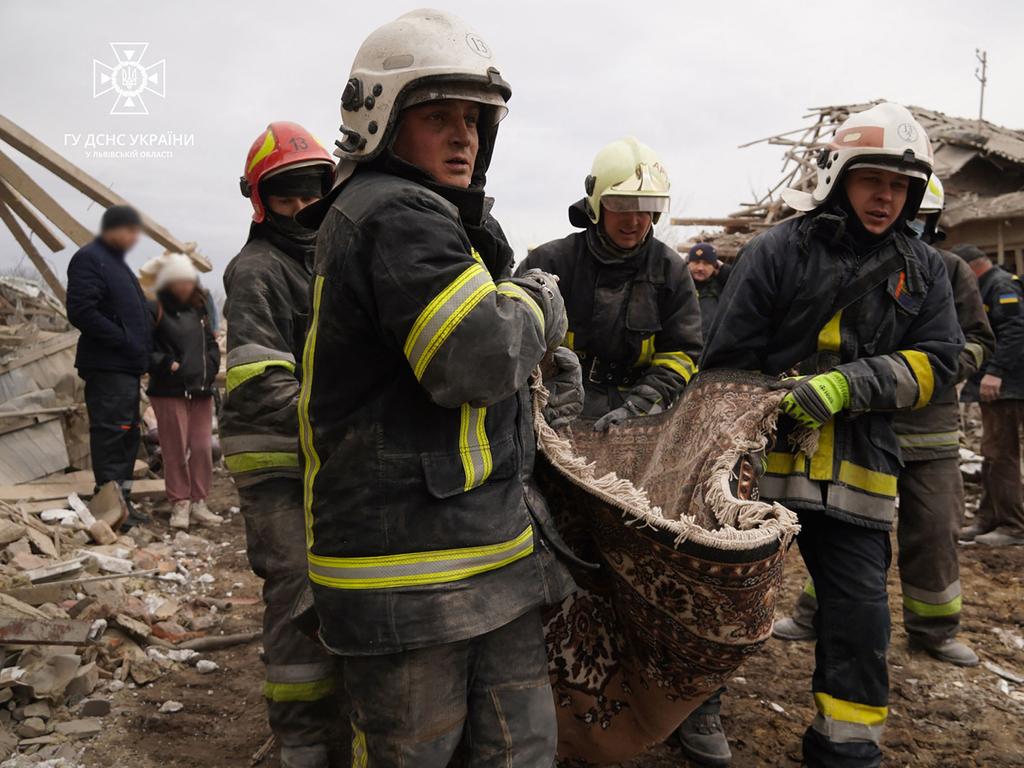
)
(949, 650)
(791, 630)
(135, 517)
(202, 514)
(971, 532)
(311, 756)
(1000, 537)
(179, 515)
(702, 737)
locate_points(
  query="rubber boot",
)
(701, 735)
(310, 756)
(1000, 537)
(792, 630)
(949, 650)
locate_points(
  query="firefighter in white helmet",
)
(931, 489)
(430, 551)
(634, 319)
(866, 312)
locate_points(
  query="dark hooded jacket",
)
(633, 317)
(416, 421)
(790, 302)
(182, 334)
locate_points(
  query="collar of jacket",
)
(472, 203)
(301, 251)
(601, 247)
(117, 253)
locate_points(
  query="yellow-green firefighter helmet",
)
(627, 176)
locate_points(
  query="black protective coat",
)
(1002, 295)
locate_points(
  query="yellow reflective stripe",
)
(680, 362)
(809, 589)
(929, 440)
(922, 368)
(417, 568)
(866, 479)
(305, 425)
(519, 293)
(267, 147)
(476, 255)
(360, 755)
(248, 462)
(822, 460)
(829, 338)
(239, 374)
(570, 340)
(782, 463)
(443, 314)
(646, 352)
(313, 691)
(474, 448)
(931, 610)
(849, 711)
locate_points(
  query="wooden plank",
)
(33, 253)
(141, 489)
(26, 214)
(49, 347)
(41, 199)
(64, 169)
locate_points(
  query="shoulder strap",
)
(867, 281)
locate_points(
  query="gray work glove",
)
(641, 401)
(543, 288)
(565, 386)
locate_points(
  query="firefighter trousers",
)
(301, 675)
(112, 402)
(488, 698)
(848, 565)
(931, 505)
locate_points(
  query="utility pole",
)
(981, 74)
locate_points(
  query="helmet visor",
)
(444, 90)
(635, 203)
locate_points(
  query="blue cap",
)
(703, 252)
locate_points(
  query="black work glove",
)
(641, 401)
(565, 386)
(543, 289)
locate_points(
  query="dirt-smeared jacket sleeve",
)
(970, 311)
(467, 337)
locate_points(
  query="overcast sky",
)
(693, 80)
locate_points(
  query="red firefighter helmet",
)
(282, 145)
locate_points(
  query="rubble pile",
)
(86, 612)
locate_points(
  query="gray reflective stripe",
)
(256, 353)
(442, 316)
(258, 443)
(417, 568)
(933, 440)
(842, 732)
(977, 352)
(941, 597)
(906, 385)
(789, 488)
(859, 504)
(299, 673)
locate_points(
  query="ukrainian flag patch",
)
(1009, 298)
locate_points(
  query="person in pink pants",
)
(183, 366)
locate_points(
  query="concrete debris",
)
(80, 729)
(170, 707)
(1004, 673)
(205, 666)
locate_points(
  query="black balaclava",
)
(284, 231)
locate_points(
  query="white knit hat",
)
(175, 266)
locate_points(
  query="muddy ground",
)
(939, 716)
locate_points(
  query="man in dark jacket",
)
(931, 488)
(431, 553)
(633, 315)
(999, 387)
(266, 311)
(709, 278)
(867, 313)
(106, 303)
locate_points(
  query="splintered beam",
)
(31, 147)
(26, 214)
(33, 254)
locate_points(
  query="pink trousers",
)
(186, 427)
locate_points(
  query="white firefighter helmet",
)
(934, 199)
(424, 55)
(627, 176)
(885, 136)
